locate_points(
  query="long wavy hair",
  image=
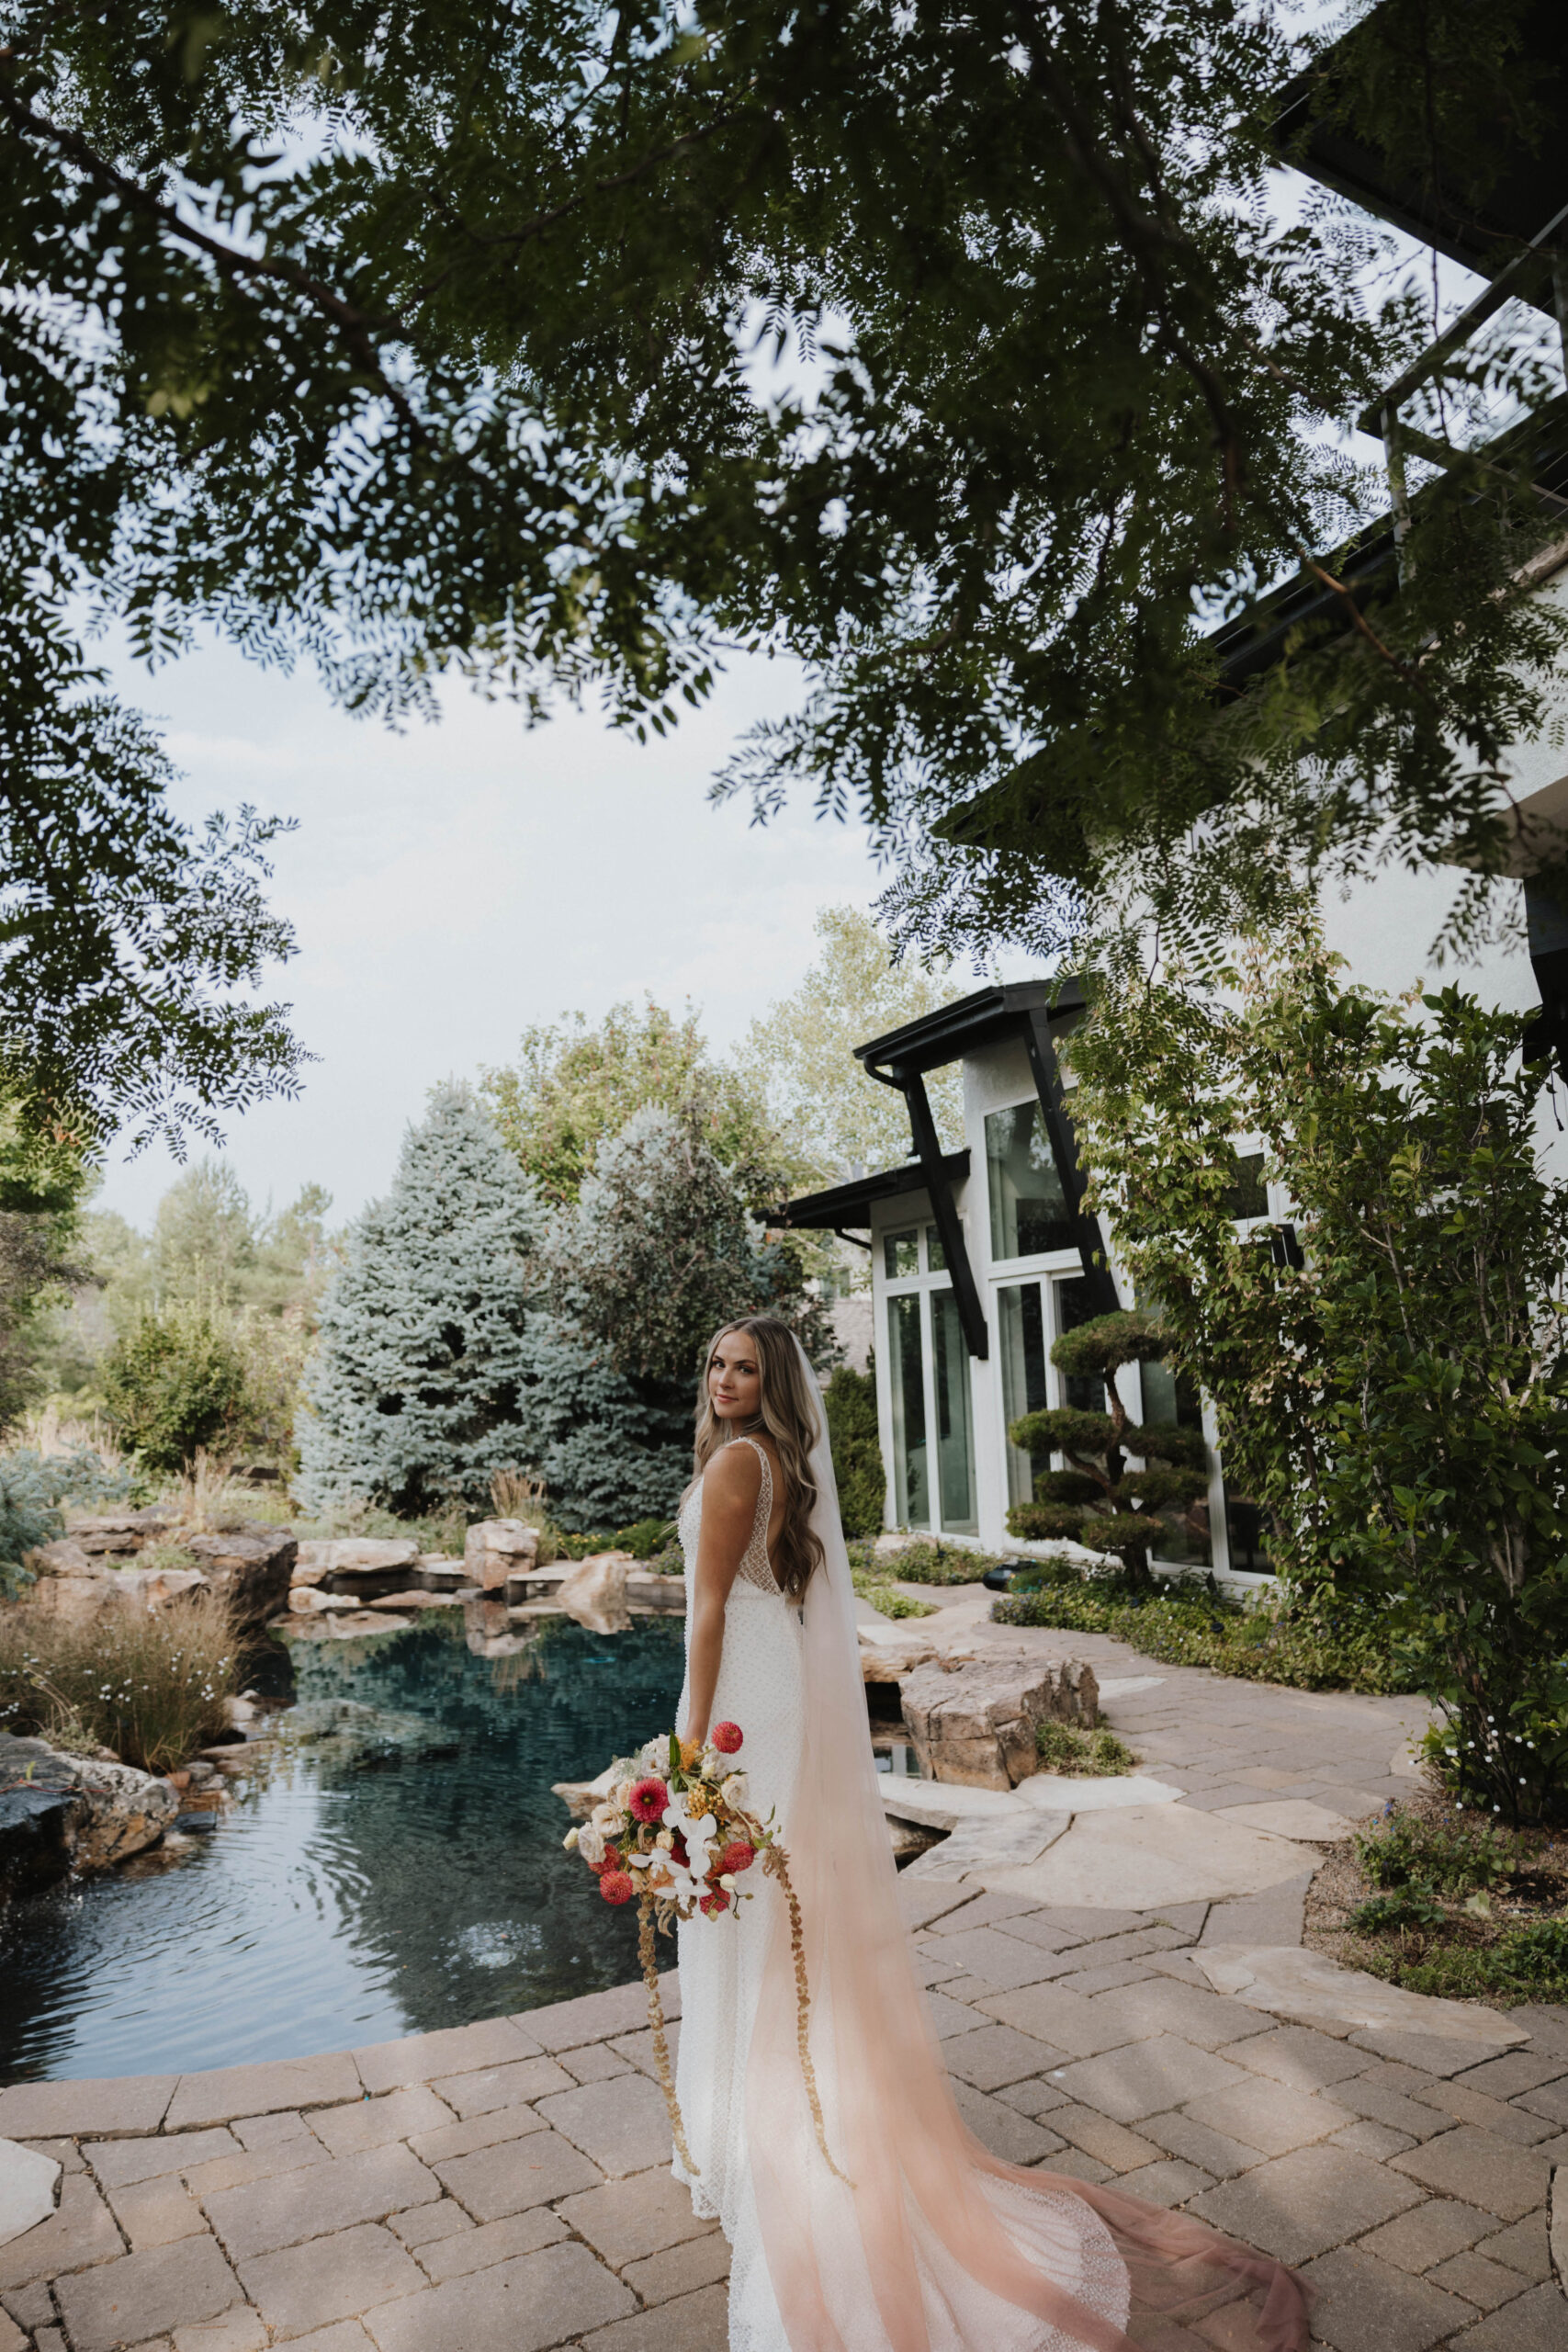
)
(787, 1415)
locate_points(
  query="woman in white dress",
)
(914, 2238)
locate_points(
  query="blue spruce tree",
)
(415, 1392)
(439, 1362)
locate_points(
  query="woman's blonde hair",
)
(788, 1416)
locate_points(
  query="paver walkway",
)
(503, 2187)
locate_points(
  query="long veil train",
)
(939, 2246)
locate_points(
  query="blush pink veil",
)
(936, 2246)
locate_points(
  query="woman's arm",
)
(731, 1484)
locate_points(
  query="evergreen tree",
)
(612, 1449)
(850, 1402)
(416, 1394)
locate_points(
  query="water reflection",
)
(398, 1868)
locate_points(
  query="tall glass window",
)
(1021, 1337)
(901, 1254)
(911, 1481)
(1029, 1209)
(1074, 1304)
(954, 1434)
(936, 1256)
(1169, 1398)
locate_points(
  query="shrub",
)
(1098, 1755)
(32, 1487)
(925, 1559)
(175, 1384)
(1326, 1648)
(1406, 1850)
(151, 1686)
(887, 1599)
(850, 1403)
(1408, 1906)
(648, 1536)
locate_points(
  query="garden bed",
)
(1437, 1901)
(1336, 1648)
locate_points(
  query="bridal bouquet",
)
(672, 1833)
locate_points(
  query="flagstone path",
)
(503, 2187)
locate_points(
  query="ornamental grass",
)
(149, 1685)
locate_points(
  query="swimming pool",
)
(394, 1865)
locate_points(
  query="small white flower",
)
(734, 1792)
(590, 1845)
(726, 1879)
(571, 1839)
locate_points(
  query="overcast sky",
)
(454, 883)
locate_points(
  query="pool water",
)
(396, 1866)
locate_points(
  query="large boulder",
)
(366, 1565)
(495, 1549)
(250, 1567)
(75, 1584)
(61, 1813)
(119, 1535)
(974, 1722)
(595, 1593)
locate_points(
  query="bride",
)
(915, 2238)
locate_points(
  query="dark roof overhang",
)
(983, 1019)
(851, 1204)
(1482, 233)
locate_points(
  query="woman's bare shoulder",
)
(735, 1474)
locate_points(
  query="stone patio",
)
(503, 2187)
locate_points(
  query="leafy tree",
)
(660, 1249)
(204, 1235)
(573, 1086)
(799, 1055)
(175, 1384)
(850, 1402)
(1125, 1506)
(1394, 1390)
(448, 339)
(415, 1394)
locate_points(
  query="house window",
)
(1029, 1209)
(1022, 1338)
(911, 1484)
(901, 1254)
(933, 1434)
(954, 1432)
(1029, 1315)
(1171, 1399)
(1249, 1196)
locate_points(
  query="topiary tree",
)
(418, 1391)
(850, 1401)
(1097, 1500)
(174, 1384)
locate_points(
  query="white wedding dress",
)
(722, 1960)
(906, 2234)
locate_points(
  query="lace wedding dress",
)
(723, 1960)
(911, 2236)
